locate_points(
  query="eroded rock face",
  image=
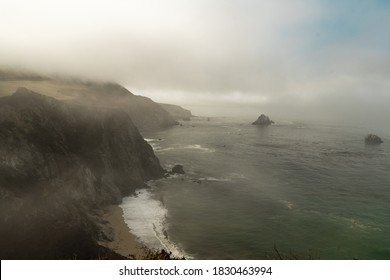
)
(263, 120)
(58, 164)
(372, 139)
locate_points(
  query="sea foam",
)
(199, 147)
(147, 219)
(154, 143)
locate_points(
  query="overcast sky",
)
(301, 59)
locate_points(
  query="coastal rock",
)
(263, 120)
(59, 164)
(177, 169)
(372, 139)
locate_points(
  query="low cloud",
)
(298, 58)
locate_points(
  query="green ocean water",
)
(311, 191)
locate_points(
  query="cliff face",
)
(145, 113)
(177, 112)
(59, 163)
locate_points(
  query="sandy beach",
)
(124, 243)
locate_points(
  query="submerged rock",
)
(263, 120)
(372, 139)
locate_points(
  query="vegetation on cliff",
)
(59, 163)
(144, 112)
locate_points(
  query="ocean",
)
(297, 190)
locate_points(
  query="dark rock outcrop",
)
(177, 112)
(59, 164)
(263, 120)
(372, 139)
(177, 169)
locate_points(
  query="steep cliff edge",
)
(60, 163)
(144, 112)
(177, 112)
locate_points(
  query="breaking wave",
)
(147, 219)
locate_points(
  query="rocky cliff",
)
(59, 163)
(144, 112)
(177, 112)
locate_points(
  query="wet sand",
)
(124, 243)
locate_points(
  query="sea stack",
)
(263, 120)
(372, 139)
(177, 169)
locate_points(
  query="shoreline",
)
(124, 242)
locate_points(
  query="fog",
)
(293, 60)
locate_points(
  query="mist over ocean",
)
(313, 190)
